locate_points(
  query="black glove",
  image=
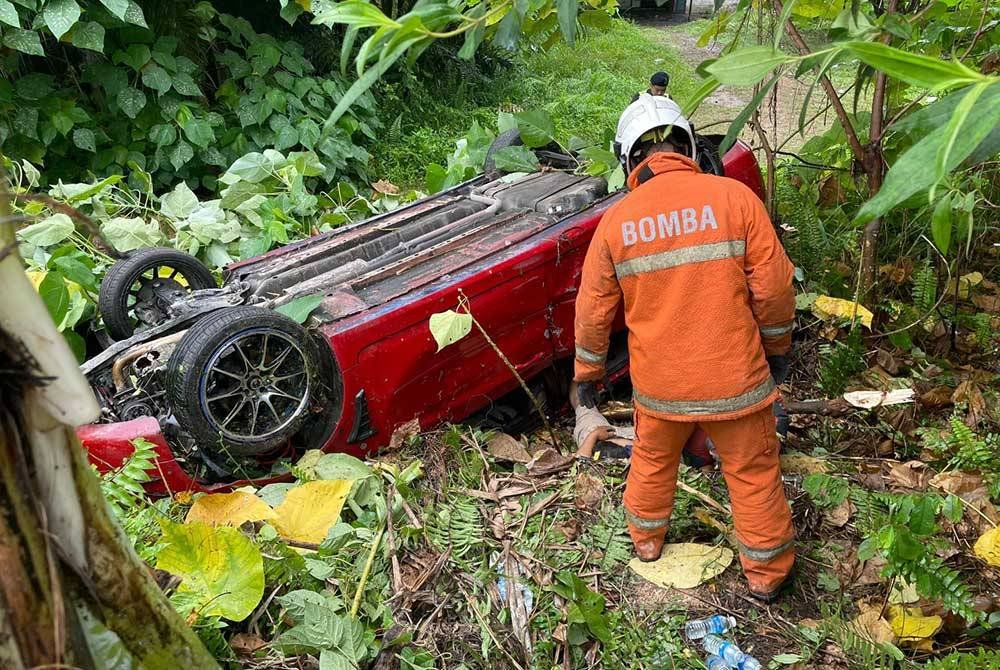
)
(780, 367)
(586, 394)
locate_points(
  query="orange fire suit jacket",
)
(707, 291)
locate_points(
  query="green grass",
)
(583, 87)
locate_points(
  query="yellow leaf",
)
(311, 509)
(987, 547)
(911, 626)
(36, 277)
(684, 565)
(826, 307)
(229, 509)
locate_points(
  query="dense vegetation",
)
(225, 131)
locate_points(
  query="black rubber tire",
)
(511, 138)
(191, 357)
(112, 300)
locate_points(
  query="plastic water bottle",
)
(718, 624)
(730, 653)
(716, 663)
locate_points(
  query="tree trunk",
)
(65, 565)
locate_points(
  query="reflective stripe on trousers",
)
(646, 524)
(701, 407)
(588, 356)
(765, 555)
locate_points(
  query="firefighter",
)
(707, 294)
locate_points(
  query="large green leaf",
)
(60, 16)
(509, 29)
(49, 231)
(126, 234)
(516, 159)
(536, 127)
(299, 309)
(220, 566)
(25, 41)
(934, 74)
(131, 100)
(748, 66)
(55, 295)
(567, 10)
(955, 126)
(156, 78)
(89, 35)
(116, 7)
(914, 172)
(8, 14)
(705, 89)
(341, 466)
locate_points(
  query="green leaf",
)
(131, 100)
(912, 173)
(516, 159)
(116, 7)
(179, 203)
(567, 10)
(49, 231)
(134, 15)
(958, 119)
(163, 134)
(74, 270)
(127, 234)
(34, 86)
(220, 566)
(181, 154)
(474, 37)
(287, 137)
(136, 56)
(185, 85)
(84, 139)
(779, 29)
(341, 466)
(934, 74)
(705, 89)
(8, 14)
(25, 41)
(89, 35)
(156, 78)
(536, 127)
(787, 659)
(941, 224)
(55, 295)
(60, 16)
(747, 66)
(741, 119)
(77, 345)
(199, 132)
(952, 508)
(509, 29)
(449, 327)
(299, 309)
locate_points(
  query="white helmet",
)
(648, 113)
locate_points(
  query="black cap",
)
(660, 79)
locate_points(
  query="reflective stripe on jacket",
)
(707, 291)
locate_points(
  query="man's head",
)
(650, 125)
(658, 83)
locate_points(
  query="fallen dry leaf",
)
(911, 475)
(570, 528)
(403, 433)
(229, 509)
(548, 461)
(939, 396)
(872, 627)
(504, 447)
(969, 392)
(589, 492)
(987, 547)
(801, 464)
(309, 510)
(245, 644)
(987, 303)
(684, 565)
(386, 187)
(957, 482)
(887, 361)
(839, 516)
(826, 307)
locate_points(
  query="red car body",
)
(521, 289)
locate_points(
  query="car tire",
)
(121, 278)
(511, 138)
(228, 401)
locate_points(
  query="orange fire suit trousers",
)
(748, 449)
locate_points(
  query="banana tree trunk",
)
(67, 572)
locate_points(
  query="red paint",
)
(523, 295)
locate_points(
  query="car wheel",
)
(137, 289)
(242, 380)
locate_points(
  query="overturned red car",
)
(229, 390)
